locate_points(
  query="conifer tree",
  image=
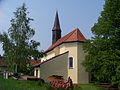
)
(103, 50)
(17, 44)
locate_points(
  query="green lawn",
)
(90, 87)
(11, 84)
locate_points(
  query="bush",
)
(41, 82)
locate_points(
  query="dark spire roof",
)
(56, 22)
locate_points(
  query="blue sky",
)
(73, 14)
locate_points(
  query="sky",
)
(82, 14)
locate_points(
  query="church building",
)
(64, 56)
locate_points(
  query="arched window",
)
(70, 62)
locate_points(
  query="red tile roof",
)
(35, 62)
(32, 62)
(2, 63)
(74, 36)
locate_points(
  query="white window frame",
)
(37, 71)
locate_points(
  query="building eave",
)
(64, 43)
(50, 59)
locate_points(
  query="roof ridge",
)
(77, 34)
(70, 34)
(81, 34)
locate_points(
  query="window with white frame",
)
(70, 60)
(36, 72)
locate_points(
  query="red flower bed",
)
(66, 85)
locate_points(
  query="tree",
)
(103, 50)
(17, 44)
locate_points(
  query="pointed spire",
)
(56, 22)
(56, 31)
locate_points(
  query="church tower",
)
(56, 31)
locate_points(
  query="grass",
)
(11, 84)
(90, 87)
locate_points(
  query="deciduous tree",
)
(103, 50)
(17, 44)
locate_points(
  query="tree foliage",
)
(17, 44)
(103, 50)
